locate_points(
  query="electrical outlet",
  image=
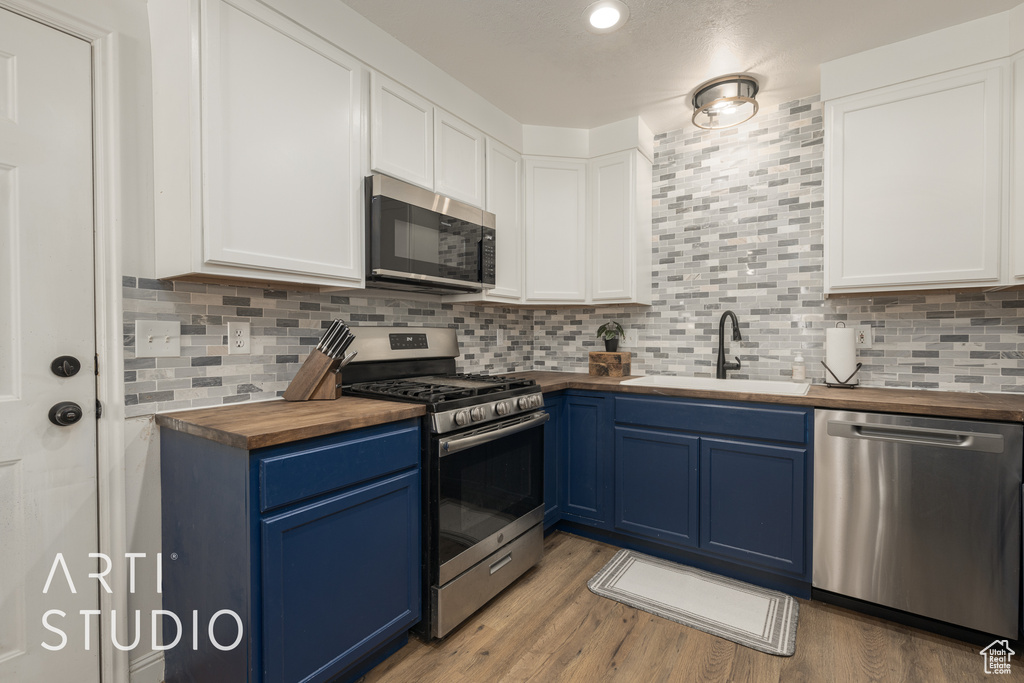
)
(501, 336)
(631, 338)
(862, 336)
(238, 338)
(157, 339)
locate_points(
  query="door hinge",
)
(99, 409)
(97, 356)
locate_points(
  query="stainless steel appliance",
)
(483, 463)
(920, 514)
(420, 241)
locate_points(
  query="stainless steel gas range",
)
(483, 463)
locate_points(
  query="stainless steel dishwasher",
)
(920, 514)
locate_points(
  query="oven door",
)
(490, 490)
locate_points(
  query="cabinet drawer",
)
(297, 471)
(755, 421)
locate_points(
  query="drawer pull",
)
(501, 563)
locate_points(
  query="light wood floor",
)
(548, 626)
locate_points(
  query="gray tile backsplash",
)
(285, 327)
(737, 226)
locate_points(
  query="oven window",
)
(483, 489)
(416, 240)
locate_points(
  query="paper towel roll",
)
(840, 353)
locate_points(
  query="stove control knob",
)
(462, 418)
(537, 401)
(476, 413)
(501, 408)
(524, 403)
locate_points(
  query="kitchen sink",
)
(747, 386)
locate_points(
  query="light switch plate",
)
(157, 339)
(631, 339)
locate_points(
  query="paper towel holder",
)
(840, 383)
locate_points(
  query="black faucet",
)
(721, 366)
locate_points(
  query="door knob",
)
(65, 413)
(65, 366)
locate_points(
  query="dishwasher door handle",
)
(924, 436)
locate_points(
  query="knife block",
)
(317, 379)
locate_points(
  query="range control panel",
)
(408, 341)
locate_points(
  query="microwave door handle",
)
(479, 438)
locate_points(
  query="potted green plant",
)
(611, 331)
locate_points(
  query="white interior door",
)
(48, 499)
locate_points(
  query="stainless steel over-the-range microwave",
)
(420, 241)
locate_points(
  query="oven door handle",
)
(478, 438)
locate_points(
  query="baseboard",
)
(148, 668)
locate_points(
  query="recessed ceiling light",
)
(605, 16)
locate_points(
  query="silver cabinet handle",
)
(480, 437)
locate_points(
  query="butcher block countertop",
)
(973, 406)
(269, 423)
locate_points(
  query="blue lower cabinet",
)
(554, 437)
(314, 545)
(340, 578)
(752, 503)
(587, 489)
(657, 485)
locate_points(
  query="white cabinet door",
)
(458, 159)
(280, 145)
(401, 132)
(505, 201)
(611, 186)
(556, 242)
(913, 183)
(1017, 173)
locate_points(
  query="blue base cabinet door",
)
(752, 503)
(588, 448)
(340, 578)
(657, 485)
(554, 438)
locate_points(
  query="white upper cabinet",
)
(458, 159)
(619, 190)
(402, 133)
(260, 177)
(556, 221)
(914, 184)
(1017, 173)
(421, 144)
(505, 200)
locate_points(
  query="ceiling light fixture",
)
(724, 102)
(605, 16)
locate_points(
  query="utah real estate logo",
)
(997, 657)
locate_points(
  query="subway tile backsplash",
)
(285, 326)
(737, 226)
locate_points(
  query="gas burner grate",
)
(434, 390)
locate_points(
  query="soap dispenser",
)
(799, 370)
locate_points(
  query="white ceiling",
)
(535, 61)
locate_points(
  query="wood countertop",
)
(974, 406)
(269, 423)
